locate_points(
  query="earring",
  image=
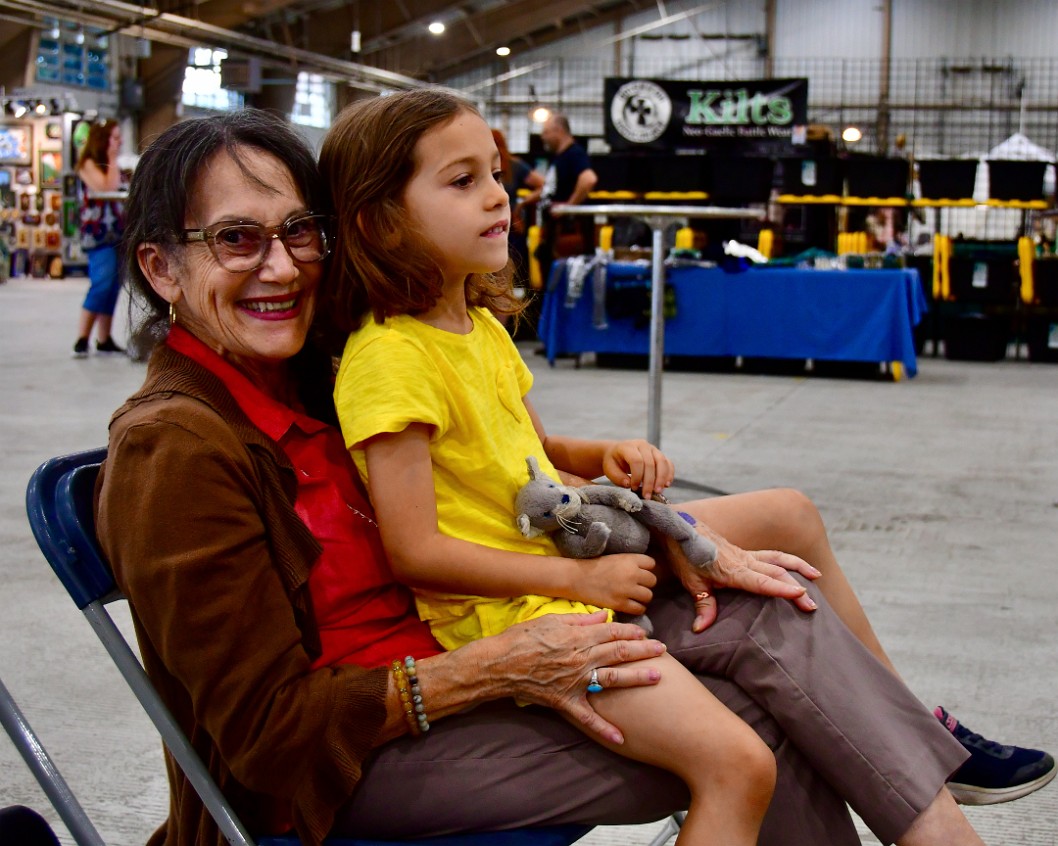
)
(172, 314)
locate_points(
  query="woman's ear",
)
(157, 265)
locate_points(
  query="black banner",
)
(664, 115)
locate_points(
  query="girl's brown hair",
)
(380, 264)
(97, 144)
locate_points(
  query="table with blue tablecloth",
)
(760, 312)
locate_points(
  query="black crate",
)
(975, 336)
(1045, 281)
(1041, 333)
(1015, 180)
(669, 173)
(947, 179)
(811, 177)
(876, 176)
(615, 172)
(989, 281)
(739, 179)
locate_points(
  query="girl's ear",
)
(157, 265)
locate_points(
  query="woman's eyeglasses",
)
(242, 247)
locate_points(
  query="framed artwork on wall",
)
(50, 169)
(7, 194)
(16, 144)
(53, 131)
(71, 218)
(79, 130)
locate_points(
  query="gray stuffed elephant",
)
(599, 520)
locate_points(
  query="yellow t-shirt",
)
(470, 389)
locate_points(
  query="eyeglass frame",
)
(208, 236)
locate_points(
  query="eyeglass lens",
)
(243, 246)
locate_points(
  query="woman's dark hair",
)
(97, 146)
(380, 263)
(167, 173)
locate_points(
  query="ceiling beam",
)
(505, 24)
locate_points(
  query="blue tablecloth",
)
(844, 315)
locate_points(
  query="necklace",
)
(361, 514)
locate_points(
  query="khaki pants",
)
(842, 727)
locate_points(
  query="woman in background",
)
(101, 226)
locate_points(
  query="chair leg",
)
(670, 829)
(47, 774)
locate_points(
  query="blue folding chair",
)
(59, 505)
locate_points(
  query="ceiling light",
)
(436, 27)
(19, 109)
(541, 114)
(851, 134)
(503, 51)
(41, 108)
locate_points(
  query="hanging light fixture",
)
(851, 134)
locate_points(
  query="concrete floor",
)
(941, 495)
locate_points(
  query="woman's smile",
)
(277, 307)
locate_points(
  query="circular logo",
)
(640, 111)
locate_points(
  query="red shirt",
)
(364, 615)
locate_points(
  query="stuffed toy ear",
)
(527, 529)
(534, 468)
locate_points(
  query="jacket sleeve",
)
(179, 517)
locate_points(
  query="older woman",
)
(239, 534)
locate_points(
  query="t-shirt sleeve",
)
(385, 384)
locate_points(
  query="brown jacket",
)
(195, 512)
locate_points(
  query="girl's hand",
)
(548, 661)
(623, 582)
(766, 572)
(637, 464)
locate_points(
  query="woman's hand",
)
(766, 572)
(637, 465)
(623, 582)
(548, 661)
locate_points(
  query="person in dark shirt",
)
(569, 181)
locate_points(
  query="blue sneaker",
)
(994, 773)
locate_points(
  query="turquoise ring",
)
(593, 684)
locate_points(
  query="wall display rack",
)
(39, 211)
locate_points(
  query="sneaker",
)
(994, 773)
(80, 349)
(108, 347)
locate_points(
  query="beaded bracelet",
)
(401, 678)
(416, 695)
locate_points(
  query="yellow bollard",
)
(606, 238)
(941, 257)
(532, 241)
(1026, 255)
(685, 238)
(765, 242)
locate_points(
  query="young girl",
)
(431, 397)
